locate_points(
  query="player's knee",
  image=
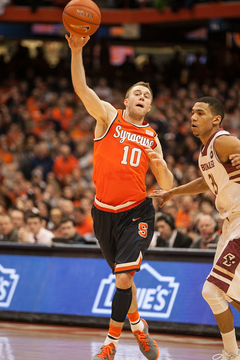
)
(124, 281)
(207, 291)
(214, 297)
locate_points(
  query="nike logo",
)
(135, 219)
(85, 27)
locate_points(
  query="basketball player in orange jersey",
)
(123, 216)
(219, 161)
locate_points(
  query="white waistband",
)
(110, 207)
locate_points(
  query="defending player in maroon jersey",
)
(219, 161)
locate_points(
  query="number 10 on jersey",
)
(131, 156)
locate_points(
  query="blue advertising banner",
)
(167, 291)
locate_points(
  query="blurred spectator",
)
(62, 114)
(42, 159)
(69, 233)
(182, 220)
(170, 208)
(68, 192)
(209, 235)
(52, 179)
(7, 230)
(84, 222)
(66, 207)
(169, 235)
(55, 221)
(34, 232)
(193, 232)
(17, 217)
(206, 206)
(87, 203)
(103, 90)
(25, 157)
(52, 195)
(44, 212)
(64, 163)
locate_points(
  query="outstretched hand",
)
(75, 42)
(162, 195)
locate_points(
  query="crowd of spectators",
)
(46, 141)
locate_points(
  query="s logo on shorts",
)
(142, 229)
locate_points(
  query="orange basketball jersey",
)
(120, 164)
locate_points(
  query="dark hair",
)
(29, 214)
(169, 219)
(215, 105)
(79, 209)
(46, 204)
(68, 218)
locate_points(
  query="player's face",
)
(203, 122)
(139, 100)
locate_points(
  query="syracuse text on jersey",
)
(123, 135)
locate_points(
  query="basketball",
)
(81, 17)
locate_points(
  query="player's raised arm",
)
(102, 111)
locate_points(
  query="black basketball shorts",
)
(125, 236)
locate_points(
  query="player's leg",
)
(103, 227)
(139, 328)
(222, 286)
(235, 304)
(141, 236)
(216, 299)
(127, 254)
(120, 305)
(220, 281)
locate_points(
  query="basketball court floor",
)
(20, 341)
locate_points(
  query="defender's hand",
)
(235, 160)
(162, 195)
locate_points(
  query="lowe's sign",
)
(166, 291)
(154, 301)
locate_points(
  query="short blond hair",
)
(140, 83)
